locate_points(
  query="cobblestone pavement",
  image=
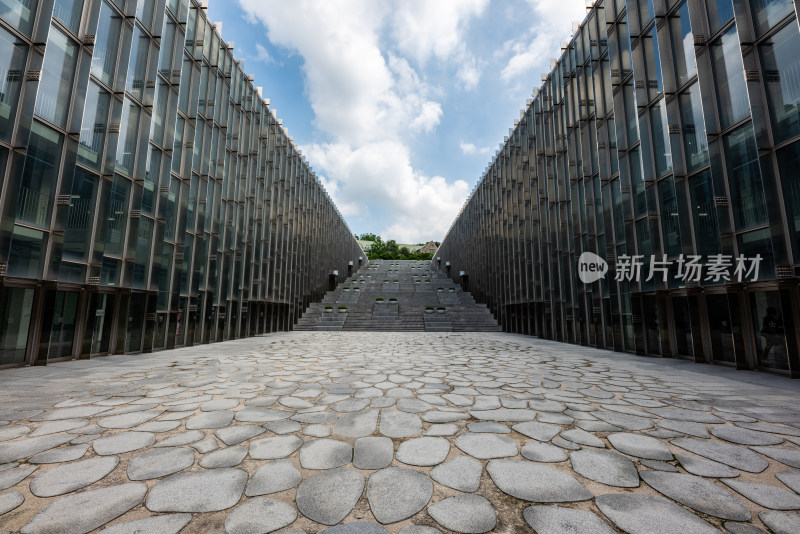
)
(411, 433)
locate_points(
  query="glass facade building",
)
(149, 197)
(667, 129)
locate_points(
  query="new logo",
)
(591, 267)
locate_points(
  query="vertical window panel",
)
(13, 53)
(55, 89)
(780, 59)
(104, 60)
(729, 76)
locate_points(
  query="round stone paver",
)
(328, 497)
(543, 452)
(504, 414)
(10, 500)
(160, 524)
(743, 436)
(12, 477)
(63, 454)
(462, 473)
(210, 490)
(325, 454)
(651, 514)
(397, 493)
(85, 511)
(536, 483)
(781, 522)
(606, 467)
(260, 516)
(157, 463)
(469, 514)
(725, 453)
(373, 453)
(356, 424)
(697, 493)
(538, 431)
(704, 467)
(226, 457)
(398, 424)
(356, 527)
(123, 442)
(275, 476)
(486, 446)
(72, 476)
(639, 446)
(560, 520)
(274, 447)
(233, 435)
(771, 497)
(16, 450)
(217, 419)
(423, 451)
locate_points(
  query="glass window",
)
(39, 177)
(80, 216)
(126, 145)
(694, 130)
(144, 12)
(93, 129)
(58, 71)
(19, 14)
(652, 63)
(758, 242)
(661, 146)
(719, 13)
(104, 60)
(729, 74)
(704, 214)
(116, 216)
(670, 225)
(781, 64)
(767, 13)
(789, 163)
(12, 67)
(744, 178)
(683, 45)
(26, 257)
(137, 67)
(15, 318)
(68, 13)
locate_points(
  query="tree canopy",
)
(390, 250)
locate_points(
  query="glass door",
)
(62, 331)
(719, 323)
(15, 310)
(768, 326)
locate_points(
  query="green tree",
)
(368, 237)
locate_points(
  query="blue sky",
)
(398, 106)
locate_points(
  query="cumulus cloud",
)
(370, 102)
(469, 148)
(262, 54)
(534, 49)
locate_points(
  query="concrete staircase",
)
(397, 295)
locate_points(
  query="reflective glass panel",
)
(767, 13)
(662, 154)
(126, 145)
(104, 60)
(789, 163)
(781, 63)
(729, 75)
(80, 216)
(93, 129)
(744, 178)
(693, 127)
(26, 257)
(58, 71)
(683, 45)
(34, 200)
(758, 243)
(704, 214)
(719, 13)
(68, 13)
(19, 14)
(116, 216)
(670, 219)
(12, 68)
(137, 67)
(768, 324)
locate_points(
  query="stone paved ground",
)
(419, 433)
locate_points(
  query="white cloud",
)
(534, 50)
(370, 102)
(262, 54)
(469, 148)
